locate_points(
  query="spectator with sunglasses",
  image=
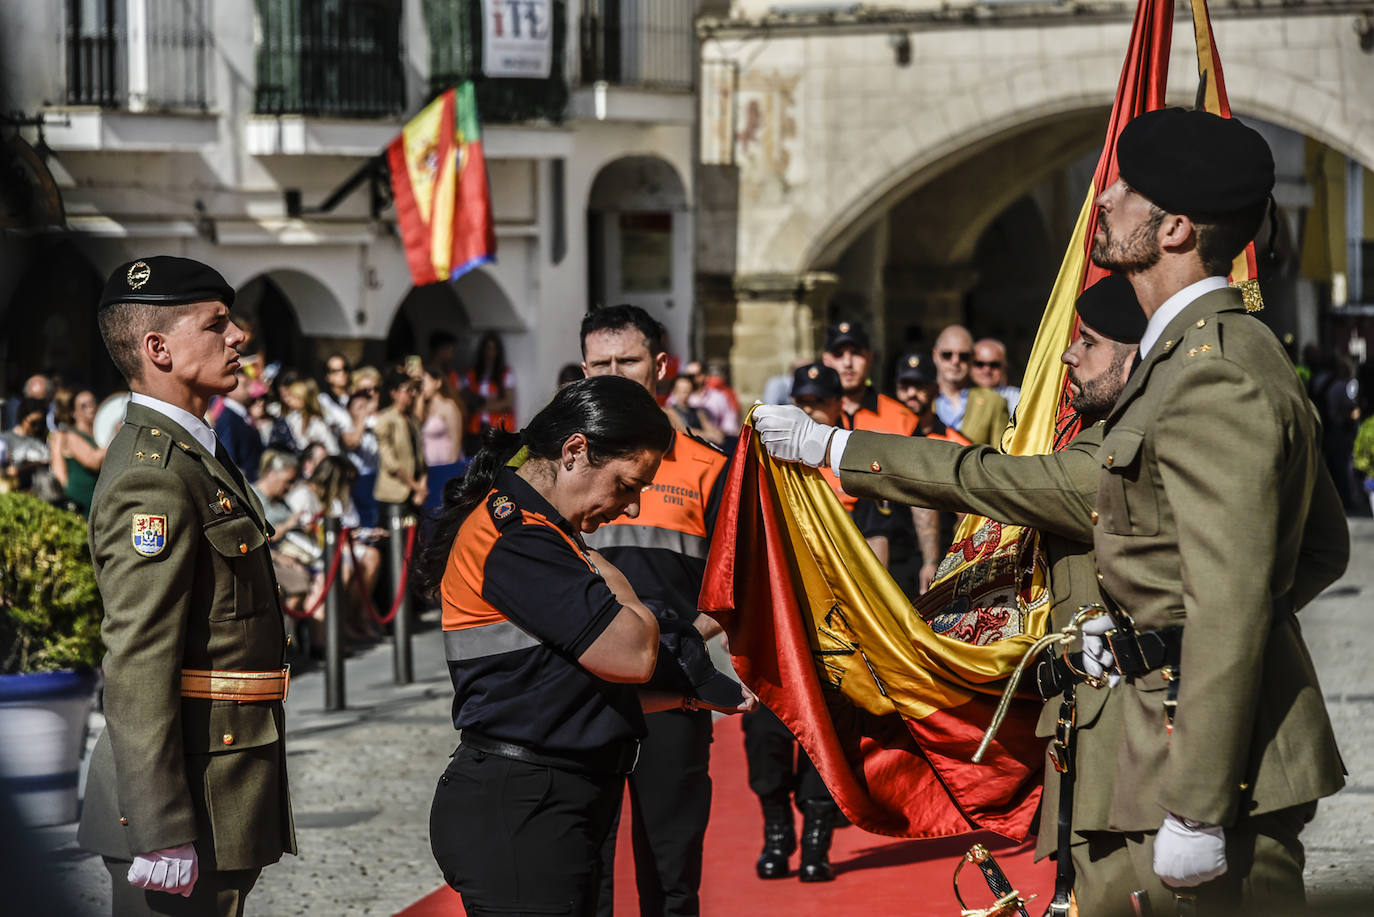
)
(990, 370)
(975, 411)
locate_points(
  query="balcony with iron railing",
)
(330, 58)
(645, 44)
(138, 55)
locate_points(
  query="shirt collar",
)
(1172, 307)
(237, 408)
(200, 431)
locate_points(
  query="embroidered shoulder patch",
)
(149, 534)
(501, 507)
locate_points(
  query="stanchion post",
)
(402, 669)
(333, 624)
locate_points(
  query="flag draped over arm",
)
(890, 700)
(439, 180)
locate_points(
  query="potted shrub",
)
(50, 651)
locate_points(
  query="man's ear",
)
(660, 367)
(154, 347)
(1177, 232)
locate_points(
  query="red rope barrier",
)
(328, 584)
(401, 586)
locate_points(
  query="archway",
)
(639, 243)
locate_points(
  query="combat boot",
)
(818, 823)
(779, 842)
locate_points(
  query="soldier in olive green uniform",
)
(187, 796)
(1214, 526)
(1054, 493)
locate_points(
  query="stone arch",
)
(908, 156)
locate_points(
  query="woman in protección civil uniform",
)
(545, 642)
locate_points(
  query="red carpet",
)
(875, 876)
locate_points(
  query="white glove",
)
(174, 870)
(1187, 856)
(1097, 656)
(790, 436)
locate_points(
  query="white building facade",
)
(216, 129)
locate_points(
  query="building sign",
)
(517, 38)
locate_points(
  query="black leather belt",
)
(1137, 653)
(619, 758)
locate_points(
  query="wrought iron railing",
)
(164, 63)
(338, 58)
(456, 55)
(643, 43)
(96, 63)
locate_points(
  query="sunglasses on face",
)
(963, 356)
(365, 393)
(987, 364)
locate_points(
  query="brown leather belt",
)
(244, 687)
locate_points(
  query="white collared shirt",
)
(1174, 305)
(200, 431)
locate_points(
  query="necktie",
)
(222, 456)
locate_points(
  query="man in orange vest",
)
(662, 552)
(849, 353)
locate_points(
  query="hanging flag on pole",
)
(443, 199)
(887, 699)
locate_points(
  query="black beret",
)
(165, 280)
(816, 380)
(916, 368)
(1109, 307)
(846, 333)
(1189, 161)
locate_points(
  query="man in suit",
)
(979, 413)
(235, 430)
(187, 796)
(1210, 494)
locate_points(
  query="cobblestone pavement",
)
(361, 779)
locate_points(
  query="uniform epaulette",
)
(503, 510)
(152, 446)
(1202, 338)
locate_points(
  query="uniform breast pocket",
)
(242, 567)
(1127, 502)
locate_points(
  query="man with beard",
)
(1053, 493)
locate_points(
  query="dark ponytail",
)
(618, 417)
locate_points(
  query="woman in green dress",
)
(75, 448)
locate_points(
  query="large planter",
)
(43, 725)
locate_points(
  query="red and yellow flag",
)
(889, 711)
(443, 199)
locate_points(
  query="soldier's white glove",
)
(174, 870)
(1189, 853)
(790, 436)
(1097, 656)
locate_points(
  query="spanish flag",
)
(889, 700)
(439, 179)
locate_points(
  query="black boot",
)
(779, 841)
(817, 825)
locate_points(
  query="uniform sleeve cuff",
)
(838, 440)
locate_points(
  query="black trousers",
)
(217, 894)
(519, 838)
(779, 771)
(670, 802)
